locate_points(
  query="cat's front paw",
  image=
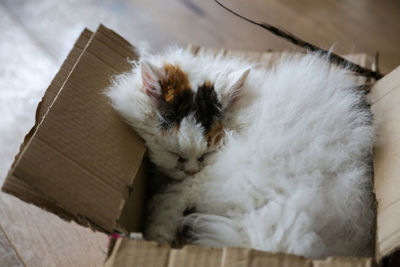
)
(160, 234)
(186, 233)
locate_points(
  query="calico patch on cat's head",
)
(190, 118)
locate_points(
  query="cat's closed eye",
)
(180, 158)
(201, 159)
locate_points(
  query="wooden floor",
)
(40, 33)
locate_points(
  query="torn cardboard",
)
(83, 163)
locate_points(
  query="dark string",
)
(334, 58)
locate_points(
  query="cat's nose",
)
(190, 173)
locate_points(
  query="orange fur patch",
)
(215, 135)
(208, 84)
(175, 83)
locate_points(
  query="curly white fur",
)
(294, 172)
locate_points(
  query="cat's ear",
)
(151, 77)
(235, 85)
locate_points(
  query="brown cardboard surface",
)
(138, 253)
(344, 262)
(267, 59)
(385, 98)
(62, 74)
(74, 157)
(145, 254)
(18, 187)
(249, 257)
(131, 219)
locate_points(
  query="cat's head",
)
(189, 126)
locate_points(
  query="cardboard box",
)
(82, 162)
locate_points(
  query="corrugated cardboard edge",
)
(145, 254)
(104, 48)
(385, 99)
(23, 190)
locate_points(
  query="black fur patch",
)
(208, 108)
(204, 104)
(173, 112)
(189, 211)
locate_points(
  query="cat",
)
(272, 159)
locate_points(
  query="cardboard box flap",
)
(268, 59)
(18, 187)
(145, 254)
(385, 99)
(82, 155)
(62, 75)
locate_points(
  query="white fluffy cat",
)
(276, 160)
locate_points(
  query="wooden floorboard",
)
(8, 255)
(42, 239)
(349, 26)
(56, 24)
